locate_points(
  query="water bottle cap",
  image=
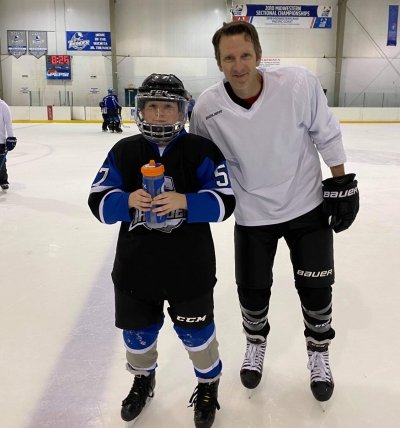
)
(152, 169)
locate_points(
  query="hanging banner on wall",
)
(392, 25)
(284, 16)
(16, 43)
(88, 41)
(37, 43)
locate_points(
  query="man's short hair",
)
(233, 28)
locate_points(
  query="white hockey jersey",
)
(5, 122)
(272, 148)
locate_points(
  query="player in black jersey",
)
(175, 263)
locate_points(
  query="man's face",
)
(238, 62)
(161, 112)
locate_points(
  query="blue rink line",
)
(73, 396)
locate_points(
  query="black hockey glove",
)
(11, 142)
(341, 201)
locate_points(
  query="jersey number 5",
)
(221, 176)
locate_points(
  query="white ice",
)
(62, 360)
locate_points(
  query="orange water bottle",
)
(153, 183)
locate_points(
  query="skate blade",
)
(323, 405)
(250, 392)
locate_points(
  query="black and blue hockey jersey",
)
(111, 102)
(177, 261)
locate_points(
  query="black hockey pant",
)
(3, 170)
(193, 321)
(310, 242)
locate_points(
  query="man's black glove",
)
(341, 201)
(11, 142)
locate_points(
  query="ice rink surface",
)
(62, 361)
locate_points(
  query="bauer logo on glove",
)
(341, 201)
(340, 193)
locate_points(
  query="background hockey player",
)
(271, 126)
(175, 263)
(111, 103)
(8, 142)
(191, 103)
(103, 108)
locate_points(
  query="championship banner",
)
(37, 43)
(392, 25)
(284, 16)
(16, 43)
(88, 41)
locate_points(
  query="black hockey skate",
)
(204, 400)
(5, 186)
(321, 380)
(252, 367)
(141, 393)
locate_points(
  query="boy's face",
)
(161, 112)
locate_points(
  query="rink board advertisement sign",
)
(284, 16)
(88, 41)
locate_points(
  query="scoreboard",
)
(58, 67)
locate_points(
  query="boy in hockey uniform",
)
(175, 263)
(7, 142)
(272, 126)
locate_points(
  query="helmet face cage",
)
(164, 88)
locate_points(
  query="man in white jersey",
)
(272, 126)
(7, 142)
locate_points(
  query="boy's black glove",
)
(341, 201)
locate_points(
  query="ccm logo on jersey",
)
(341, 194)
(191, 319)
(310, 274)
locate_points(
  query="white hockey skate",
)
(252, 367)
(321, 379)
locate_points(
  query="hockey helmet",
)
(110, 90)
(161, 87)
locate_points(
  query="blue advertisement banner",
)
(283, 16)
(392, 25)
(89, 41)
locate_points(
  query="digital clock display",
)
(59, 59)
(58, 67)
